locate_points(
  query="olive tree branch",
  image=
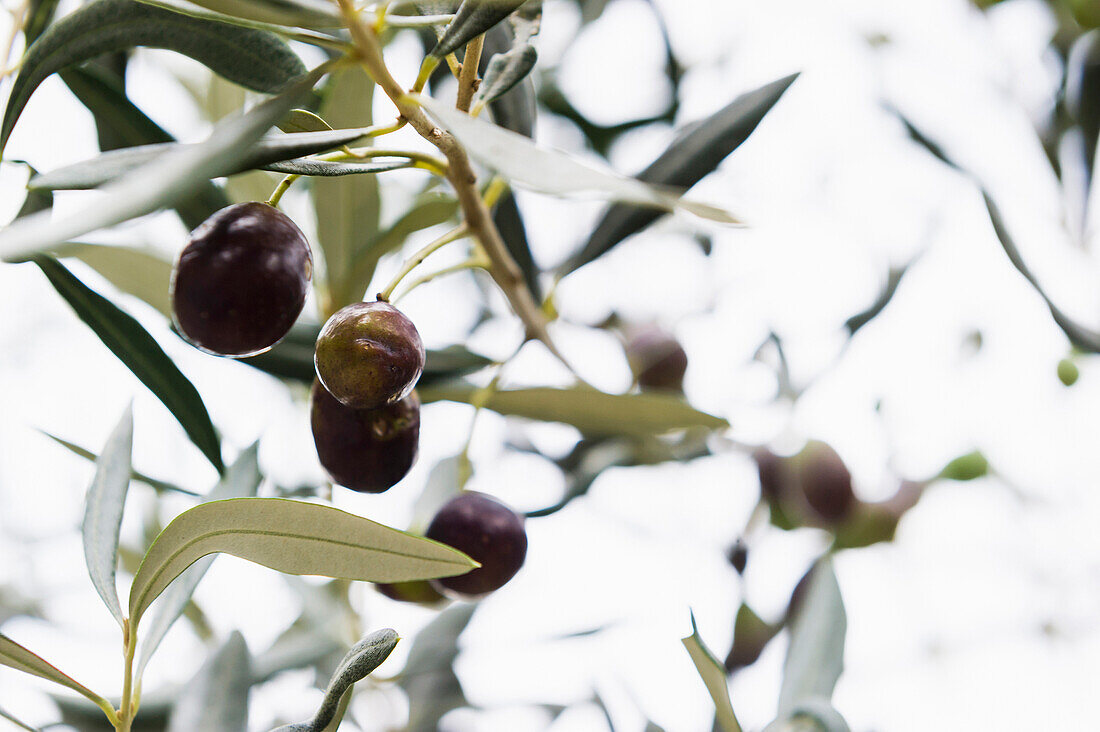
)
(467, 80)
(460, 173)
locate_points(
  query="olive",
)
(657, 360)
(241, 280)
(369, 354)
(490, 533)
(811, 488)
(366, 450)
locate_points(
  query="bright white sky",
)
(982, 615)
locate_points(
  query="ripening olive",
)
(241, 281)
(420, 592)
(657, 360)
(366, 450)
(368, 355)
(811, 488)
(486, 530)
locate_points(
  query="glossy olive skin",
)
(241, 281)
(368, 355)
(657, 360)
(366, 450)
(490, 533)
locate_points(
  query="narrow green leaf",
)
(348, 207)
(39, 15)
(813, 714)
(217, 697)
(242, 479)
(697, 151)
(153, 483)
(815, 656)
(714, 677)
(428, 678)
(134, 271)
(592, 412)
(103, 512)
(16, 656)
(164, 181)
(299, 13)
(133, 345)
(551, 171)
(291, 537)
(254, 59)
(509, 222)
(473, 18)
(191, 10)
(365, 656)
(111, 165)
(514, 110)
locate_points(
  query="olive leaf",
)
(592, 412)
(16, 656)
(241, 479)
(164, 181)
(522, 162)
(697, 151)
(813, 714)
(291, 537)
(140, 352)
(363, 658)
(154, 483)
(266, 152)
(106, 99)
(103, 512)
(254, 59)
(970, 466)
(134, 271)
(815, 656)
(714, 677)
(473, 18)
(334, 169)
(508, 67)
(428, 678)
(39, 15)
(302, 120)
(300, 13)
(217, 697)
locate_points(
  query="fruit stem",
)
(460, 173)
(467, 80)
(411, 263)
(126, 707)
(478, 261)
(280, 189)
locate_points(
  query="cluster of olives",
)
(237, 288)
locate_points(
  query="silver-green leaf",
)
(103, 512)
(365, 656)
(524, 163)
(16, 656)
(292, 537)
(217, 696)
(298, 13)
(254, 59)
(473, 18)
(592, 412)
(109, 166)
(815, 656)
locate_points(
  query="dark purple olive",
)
(366, 450)
(369, 354)
(657, 360)
(241, 281)
(490, 533)
(825, 481)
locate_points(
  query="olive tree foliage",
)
(313, 127)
